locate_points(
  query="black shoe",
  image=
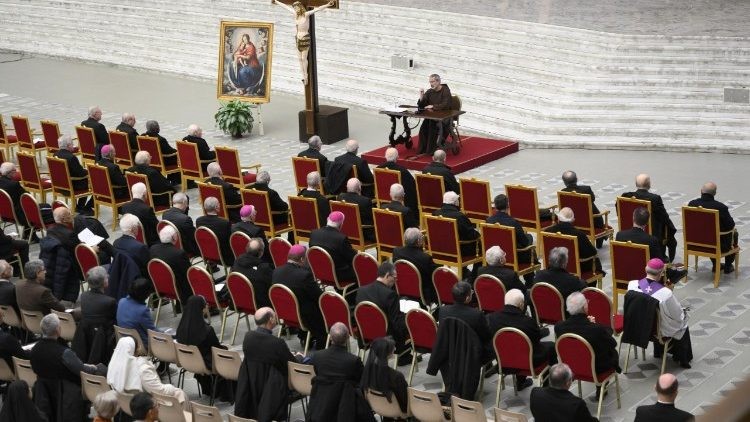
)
(599, 243)
(678, 275)
(87, 212)
(490, 371)
(595, 397)
(728, 269)
(528, 382)
(405, 359)
(685, 365)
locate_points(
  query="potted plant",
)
(235, 118)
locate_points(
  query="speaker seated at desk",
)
(438, 97)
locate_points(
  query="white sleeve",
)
(152, 383)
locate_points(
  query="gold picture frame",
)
(245, 53)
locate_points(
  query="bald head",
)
(391, 154)
(265, 317)
(643, 181)
(666, 388)
(439, 156)
(339, 334)
(352, 146)
(353, 185)
(709, 188)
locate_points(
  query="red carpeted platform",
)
(475, 151)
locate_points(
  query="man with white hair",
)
(466, 229)
(57, 250)
(144, 212)
(353, 195)
(438, 168)
(195, 135)
(364, 174)
(413, 251)
(9, 182)
(116, 178)
(7, 288)
(175, 258)
(128, 245)
(408, 214)
(78, 174)
(314, 144)
(221, 227)
(161, 187)
(437, 98)
(661, 225)
(601, 340)
(586, 249)
(727, 240)
(556, 273)
(279, 208)
(179, 215)
(100, 132)
(407, 180)
(168, 153)
(127, 126)
(495, 258)
(330, 238)
(232, 198)
(313, 191)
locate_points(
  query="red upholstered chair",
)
(384, 179)
(286, 305)
(140, 233)
(263, 214)
(279, 249)
(409, 281)
(133, 178)
(31, 179)
(334, 308)
(475, 199)
(243, 297)
(524, 207)
(490, 293)
(389, 232)
(515, 353)
(25, 137)
(301, 166)
(553, 240)
(549, 305)
(444, 245)
(582, 207)
(62, 183)
(151, 144)
(232, 171)
(208, 244)
(7, 212)
(628, 261)
(101, 187)
(238, 241)
(87, 259)
(164, 281)
(444, 279)
(574, 351)
(191, 166)
(202, 284)
(304, 217)
(86, 143)
(505, 238)
(352, 227)
(600, 307)
(365, 268)
(430, 190)
(7, 141)
(119, 140)
(702, 237)
(207, 190)
(372, 323)
(422, 332)
(51, 134)
(33, 214)
(324, 270)
(625, 207)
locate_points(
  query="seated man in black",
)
(495, 258)
(78, 174)
(523, 239)
(100, 132)
(438, 168)
(330, 238)
(438, 97)
(221, 227)
(145, 213)
(179, 215)
(127, 126)
(407, 180)
(364, 174)
(160, 186)
(661, 225)
(473, 317)
(14, 189)
(557, 274)
(466, 229)
(232, 198)
(353, 195)
(248, 227)
(251, 265)
(10, 246)
(176, 259)
(726, 223)
(279, 208)
(116, 177)
(127, 243)
(313, 191)
(7, 288)
(413, 251)
(664, 408)
(168, 153)
(586, 249)
(570, 179)
(313, 151)
(556, 402)
(205, 155)
(408, 215)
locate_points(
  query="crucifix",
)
(304, 18)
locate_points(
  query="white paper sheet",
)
(407, 305)
(89, 238)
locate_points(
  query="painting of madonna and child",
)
(245, 61)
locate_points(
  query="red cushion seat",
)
(248, 178)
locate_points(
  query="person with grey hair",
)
(398, 204)
(314, 145)
(467, 231)
(258, 272)
(32, 294)
(556, 402)
(143, 211)
(232, 198)
(116, 177)
(195, 135)
(586, 250)
(128, 245)
(94, 338)
(557, 274)
(729, 236)
(221, 227)
(353, 195)
(438, 168)
(570, 179)
(127, 126)
(601, 340)
(407, 180)
(7, 288)
(351, 159)
(78, 174)
(279, 208)
(106, 406)
(179, 215)
(437, 98)
(168, 153)
(495, 267)
(57, 250)
(161, 187)
(413, 252)
(175, 258)
(313, 191)
(661, 224)
(100, 132)
(10, 183)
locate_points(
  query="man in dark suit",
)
(7, 288)
(168, 153)
(131, 247)
(78, 174)
(232, 198)
(145, 213)
(10, 246)
(298, 277)
(586, 249)
(31, 294)
(205, 155)
(57, 250)
(313, 191)
(413, 251)
(466, 229)
(664, 409)
(407, 180)
(100, 132)
(116, 177)
(438, 168)
(408, 215)
(570, 179)
(180, 217)
(381, 293)
(279, 208)
(313, 151)
(330, 238)
(661, 225)
(557, 274)
(161, 187)
(251, 265)
(353, 195)
(247, 226)
(601, 340)
(364, 174)
(638, 235)
(556, 402)
(175, 258)
(523, 239)
(221, 227)
(495, 258)
(127, 126)
(14, 189)
(726, 222)
(473, 317)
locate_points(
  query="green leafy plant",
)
(235, 118)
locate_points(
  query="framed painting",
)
(245, 50)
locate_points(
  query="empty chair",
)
(93, 385)
(426, 406)
(508, 416)
(243, 297)
(226, 363)
(67, 325)
(300, 380)
(232, 418)
(467, 411)
(170, 409)
(32, 320)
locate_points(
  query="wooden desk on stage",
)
(453, 144)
